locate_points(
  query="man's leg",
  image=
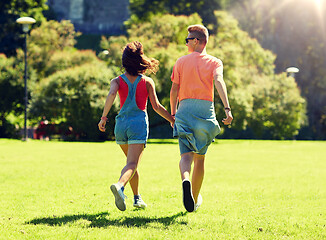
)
(197, 175)
(185, 169)
(185, 165)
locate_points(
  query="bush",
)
(12, 95)
(76, 97)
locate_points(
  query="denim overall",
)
(131, 123)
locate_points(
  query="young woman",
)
(131, 129)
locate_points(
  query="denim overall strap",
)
(131, 122)
(130, 104)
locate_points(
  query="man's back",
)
(194, 74)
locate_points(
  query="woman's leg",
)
(134, 181)
(133, 153)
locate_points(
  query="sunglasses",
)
(187, 39)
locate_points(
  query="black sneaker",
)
(188, 199)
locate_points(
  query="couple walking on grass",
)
(192, 113)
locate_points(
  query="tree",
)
(10, 11)
(74, 97)
(143, 10)
(253, 86)
(66, 86)
(12, 94)
(293, 30)
(44, 41)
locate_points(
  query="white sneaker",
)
(199, 202)
(139, 203)
(119, 197)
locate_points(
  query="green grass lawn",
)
(251, 190)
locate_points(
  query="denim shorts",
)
(195, 125)
(131, 130)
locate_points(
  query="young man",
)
(193, 79)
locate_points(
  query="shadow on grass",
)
(102, 220)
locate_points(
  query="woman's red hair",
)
(135, 62)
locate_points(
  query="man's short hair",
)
(200, 32)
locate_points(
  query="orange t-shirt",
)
(195, 75)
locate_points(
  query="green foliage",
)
(163, 39)
(262, 101)
(12, 86)
(12, 94)
(10, 11)
(71, 85)
(45, 40)
(144, 10)
(76, 96)
(115, 47)
(312, 79)
(61, 60)
(295, 31)
(50, 49)
(277, 106)
(89, 41)
(26, 8)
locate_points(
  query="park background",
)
(253, 189)
(71, 63)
